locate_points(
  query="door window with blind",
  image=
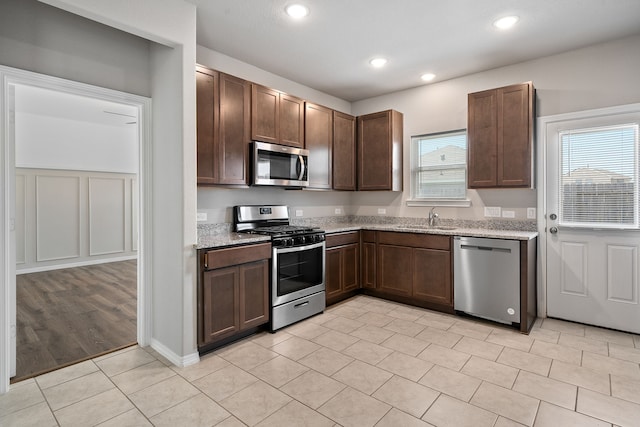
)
(439, 166)
(599, 177)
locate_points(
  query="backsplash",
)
(489, 224)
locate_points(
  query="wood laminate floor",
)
(69, 315)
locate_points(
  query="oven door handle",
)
(299, 248)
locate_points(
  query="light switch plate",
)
(508, 214)
(531, 213)
(201, 216)
(338, 211)
(492, 211)
(382, 211)
(299, 212)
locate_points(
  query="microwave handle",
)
(301, 167)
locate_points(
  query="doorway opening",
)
(75, 190)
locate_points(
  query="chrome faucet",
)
(433, 217)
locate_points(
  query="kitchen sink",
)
(426, 227)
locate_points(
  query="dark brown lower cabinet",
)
(415, 269)
(342, 265)
(368, 259)
(233, 296)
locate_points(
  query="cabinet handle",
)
(206, 260)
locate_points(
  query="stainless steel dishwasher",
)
(487, 278)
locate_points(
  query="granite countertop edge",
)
(230, 238)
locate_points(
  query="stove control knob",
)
(289, 242)
(299, 240)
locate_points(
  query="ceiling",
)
(330, 49)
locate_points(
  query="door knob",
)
(553, 230)
(553, 217)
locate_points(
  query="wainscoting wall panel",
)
(21, 220)
(73, 218)
(57, 217)
(106, 216)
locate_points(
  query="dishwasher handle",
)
(485, 248)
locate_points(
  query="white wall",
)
(229, 65)
(111, 49)
(216, 202)
(69, 218)
(172, 199)
(597, 76)
(49, 133)
(570, 81)
(44, 39)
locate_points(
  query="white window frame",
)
(433, 201)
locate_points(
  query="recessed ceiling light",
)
(505, 22)
(427, 77)
(378, 62)
(297, 11)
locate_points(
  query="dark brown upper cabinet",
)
(500, 132)
(344, 151)
(276, 117)
(380, 151)
(223, 128)
(318, 136)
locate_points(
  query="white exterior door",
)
(592, 219)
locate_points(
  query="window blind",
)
(599, 177)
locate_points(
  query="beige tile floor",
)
(365, 362)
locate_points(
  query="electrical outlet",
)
(492, 211)
(299, 212)
(531, 213)
(338, 211)
(201, 216)
(382, 211)
(508, 214)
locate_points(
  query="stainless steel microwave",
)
(279, 165)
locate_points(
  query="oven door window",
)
(299, 270)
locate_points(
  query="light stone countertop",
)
(225, 237)
(449, 231)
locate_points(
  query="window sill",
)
(464, 203)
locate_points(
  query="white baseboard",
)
(180, 361)
(74, 264)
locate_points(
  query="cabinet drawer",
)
(220, 258)
(416, 240)
(341, 239)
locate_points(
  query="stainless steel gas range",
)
(297, 263)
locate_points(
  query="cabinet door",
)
(207, 114)
(482, 135)
(235, 131)
(350, 267)
(221, 304)
(291, 121)
(344, 151)
(514, 135)
(432, 276)
(254, 294)
(265, 114)
(333, 276)
(380, 151)
(319, 142)
(395, 269)
(369, 265)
